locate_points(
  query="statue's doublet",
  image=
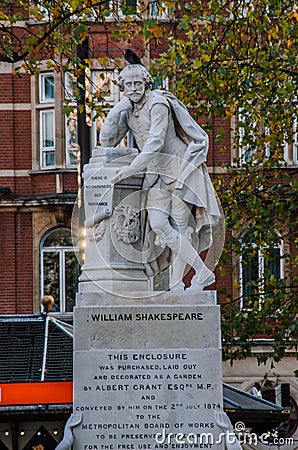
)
(153, 128)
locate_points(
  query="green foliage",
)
(261, 212)
(48, 29)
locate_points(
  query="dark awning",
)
(255, 412)
(22, 343)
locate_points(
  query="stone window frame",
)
(46, 105)
(38, 109)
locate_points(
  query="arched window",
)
(59, 269)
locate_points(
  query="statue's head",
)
(134, 80)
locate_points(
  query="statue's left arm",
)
(154, 143)
(115, 126)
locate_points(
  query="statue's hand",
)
(67, 441)
(122, 173)
(74, 420)
(223, 421)
(231, 440)
(189, 233)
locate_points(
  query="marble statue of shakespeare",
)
(172, 154)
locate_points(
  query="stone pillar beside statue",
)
(113, 241)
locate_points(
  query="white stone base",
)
(144, 368)
(100, 298)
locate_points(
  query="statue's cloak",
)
(193, 185)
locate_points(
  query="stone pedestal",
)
(147, 375)
(113, 250)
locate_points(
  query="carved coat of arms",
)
(126, 224)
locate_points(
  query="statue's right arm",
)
(115, 126)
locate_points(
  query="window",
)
(246, 149)
(59, 269)
(250, 136)
(161, 83)
(122, 8)
(47, 120)
(258, 269)
(47, 138)
(58, 144)
(251, 133)
(292, 144)
(127, 7)
(118, 7)
(44, 13)
(69, 87)
(46, 88)
(157, 9)
(244, 7)
(72, 148)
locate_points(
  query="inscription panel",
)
(154, 326)
(147, 377)
(98, 192)
(148, 399)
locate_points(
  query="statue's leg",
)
(163, 213)
(177, 274)
(178, 243)
(181, 215)
(180, 218)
